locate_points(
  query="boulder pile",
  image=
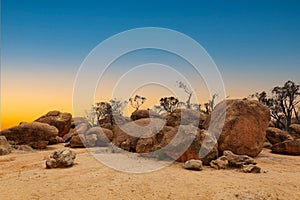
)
(181, 135)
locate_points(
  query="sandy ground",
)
(23, 176)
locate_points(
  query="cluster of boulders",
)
(284, 142)
(46, 130)
(243, 133)
(229, 160)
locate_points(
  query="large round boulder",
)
(275, 135)
(244, 128)
(291, 147)
(62, 121)
(34, 134)
(186, 117)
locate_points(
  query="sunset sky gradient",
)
(255, 44)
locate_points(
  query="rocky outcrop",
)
(181, 143)
(61, 159)
(251, 169)
(275, 135)
(112, 120)
(193, 165)
(238, 161)
(151, 144)
(79, 128)
(245, 125)
(210, 147)
(77, 141)
(291, 147)
(186, 117)
(62, 121)
(103, 136)
(231, 160)
(5, 147)
(34, 134)
(127, 136)
(295, 130)
(220, 163)
(140, 114)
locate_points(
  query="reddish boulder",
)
(5, 147)
(113, 119)
(62, 121)
(76, 141)
(103, 136)
(245, 125)
(151, 144)
(127, 136)
(186, 117)
(34, 134)
(295, 130)
(140, 114)
(185, 142)
(39, 144)
(275, 135)
(291, 147)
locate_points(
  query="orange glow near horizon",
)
(33, 95)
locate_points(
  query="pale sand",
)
(23, 176)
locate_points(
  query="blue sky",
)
(237, 34)
(255, 44)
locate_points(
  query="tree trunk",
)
(188, 102)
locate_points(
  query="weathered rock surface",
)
(220, 163)
(151, 144)
(103, 136)
(23, 147)
(238, 161)
(5, 147)
(59, 139)
(111, 120)
(181, 143)
(251, 169)
(267, 145)
(295, 130)
(76, 141)
(245, 125)
(291, 147)
(193, 165)
(186, 117)
(231, 160)
(140, 114)
(127, 136)
(67, 137)
(62, 121)
(90, 140)
(275, 135)
(209, 148)
(39, 144)
(35, 134)
(61, 159)
(184, 143)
